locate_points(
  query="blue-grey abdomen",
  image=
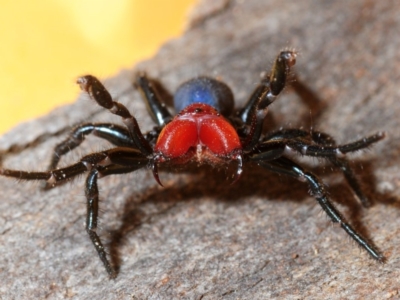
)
(204, 90)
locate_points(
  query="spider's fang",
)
(239, 169)
(154, 169)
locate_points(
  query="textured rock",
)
(200, 237)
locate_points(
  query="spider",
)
(205, 130)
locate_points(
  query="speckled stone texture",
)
(200, 237)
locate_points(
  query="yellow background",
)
(47, 44)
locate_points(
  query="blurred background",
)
(47, 44)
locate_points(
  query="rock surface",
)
(200, 237)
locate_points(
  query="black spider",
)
(204, 131)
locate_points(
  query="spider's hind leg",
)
(118, 160)
(285, 166)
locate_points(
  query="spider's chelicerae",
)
(205, 130)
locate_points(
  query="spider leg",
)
(51, 177)
(305, 147)
(254, 112)
(157, 109)
(114, 134)
(260, 91)
(334, 151)
(98, 92)
(114, 161)
(125, 157)
(324, 139)
(344, 165)
(284, 165)
(92, 196)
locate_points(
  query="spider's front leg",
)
(254, 112)
(110, 132)
(98, 92)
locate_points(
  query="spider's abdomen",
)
(204, 90)
(200, 127)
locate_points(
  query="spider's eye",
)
(205, 90)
